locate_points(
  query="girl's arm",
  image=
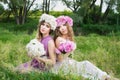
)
(51, 51)
(60, 56)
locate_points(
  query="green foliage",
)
(34, 13)
(77, 23)
(100, 29)
(29, 27)
(103, 51)
(13, 53)
(1, 9)
(59, 13)
(7, 74)
(113, 19)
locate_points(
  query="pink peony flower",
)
(67, 47)
(64, 19)
(69, 20)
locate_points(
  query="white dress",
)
(83, 68)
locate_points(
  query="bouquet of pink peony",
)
(66, 47)
(35, 48)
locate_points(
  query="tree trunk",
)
(20, 11)
(101, 4)
(106, 13)
(86, 16)
(17, 20)
(107, 10)
(93, 3)
(43, 6)
(24, 17)
(24, 13)
(100, 11)
(20, 15)
(48, 7)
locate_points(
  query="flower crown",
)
(49, 19)
(61, 20)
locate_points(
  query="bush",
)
(77, 23)
(100, 29)
(29, 27)
(59, 13)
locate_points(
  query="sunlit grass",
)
(103, 51)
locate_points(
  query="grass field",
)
(103, 51)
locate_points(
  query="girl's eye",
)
(45, 25)
(48, 26)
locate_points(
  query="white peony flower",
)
(35, 48)
(49, 19)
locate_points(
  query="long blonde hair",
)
(39, 34)
(70, 32)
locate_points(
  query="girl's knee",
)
(86, 62)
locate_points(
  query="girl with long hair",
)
(46, 25)
(65, 45)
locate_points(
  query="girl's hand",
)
(30, 55)
(62, 56)
(38, 58)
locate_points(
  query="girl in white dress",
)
(66, 65)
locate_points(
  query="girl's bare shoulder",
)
(59, 39)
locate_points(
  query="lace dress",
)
(83, 68)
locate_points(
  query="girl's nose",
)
(43, 26)
(62, 27)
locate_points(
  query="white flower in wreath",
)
(49, 19)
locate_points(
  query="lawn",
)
(103, 51)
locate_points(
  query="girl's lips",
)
(43, 30)
(63, 31)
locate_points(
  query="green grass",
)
(103, 51)
(6, 74)
(13, 53)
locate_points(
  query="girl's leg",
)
(88, 70)
(25, 67)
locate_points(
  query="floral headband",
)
(61, 20)
(49, 19)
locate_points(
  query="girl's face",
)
(45, 28)
(63, 29)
